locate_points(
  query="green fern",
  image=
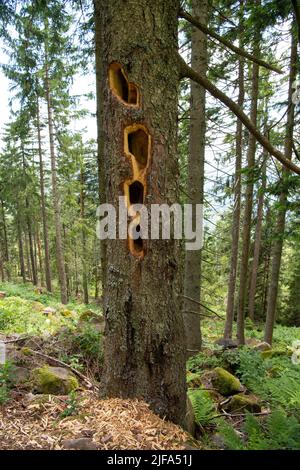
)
(203, 406)
(278, 431)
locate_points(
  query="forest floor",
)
(259, 410)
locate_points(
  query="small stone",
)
(49, 311)
(83, 443)
(20, 375)
(2, 294)
(218, 441)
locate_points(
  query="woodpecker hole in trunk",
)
(121, 87)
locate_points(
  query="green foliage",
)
(6, 371)
(72, 405)
(278, 431)
(203, 406)
(251, 369)
(202, 361)
(89, 342)
(21, 316)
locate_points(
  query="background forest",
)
(240, 294)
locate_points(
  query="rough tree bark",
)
(144, 337)
(257, 241)
(235, 229)
(192, 268)
(55, 190)
(83, 237)
(21, 250)
(276, 250)
(247, 216)
(43, 204)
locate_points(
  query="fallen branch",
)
(238, 415)
(226, 43)
(188, 72)
(63, 364)
(15, 340)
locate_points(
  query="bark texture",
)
(242, 300)
(235, 230)
(43, 204)
(192, 274)
(276, 251)
(144, 336)
(55, 191)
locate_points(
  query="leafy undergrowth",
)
(21, 311)
(274, 380)
(71, 335)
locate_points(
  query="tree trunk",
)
(31, 249)
(100, 77)
(276, 251)
(55, 191)
(83, 239)
(249, 200)
(5, 239)
(144, 342)
(257, 241)
(192, 268)
(43, 205)
(21, 250)
(235, 228)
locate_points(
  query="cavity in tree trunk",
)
(144, 336)
(276, 251)
(192, 271)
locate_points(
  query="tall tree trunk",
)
(277, 245)
(257, 241)
(55, 191)
(100, 76)
(4, 228)
(144, 335)
(31, 248)
(192, 268)
(21, 250)
(43, 205)
(242, 300)
(83, 238)
(39, 255)
(235, 228)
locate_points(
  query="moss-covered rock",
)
(269, 354)
(53, 380)
(263, 346)
(224, 382)
(240, 403)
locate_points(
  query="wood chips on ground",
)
(111, 423)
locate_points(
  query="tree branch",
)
(188, 72)
(228, 44)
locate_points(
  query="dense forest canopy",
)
(195, 102)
